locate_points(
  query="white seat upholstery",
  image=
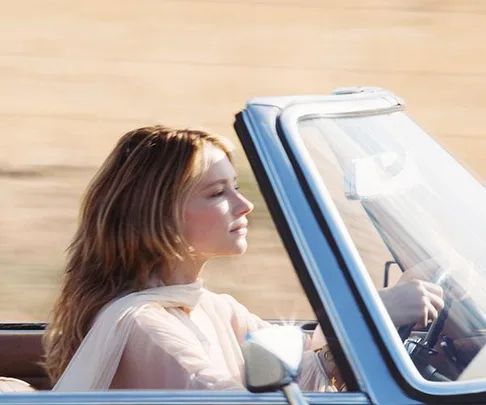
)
(14, 385)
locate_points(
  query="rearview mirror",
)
(382, 174)
(273, 358)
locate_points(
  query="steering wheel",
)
(442, 280)
(450, 356)
(421, 350)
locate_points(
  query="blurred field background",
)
(75, 76)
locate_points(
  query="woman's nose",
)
(244, 206)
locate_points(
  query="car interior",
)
(20, 358)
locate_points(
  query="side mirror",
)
(273, 357)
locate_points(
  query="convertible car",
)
(355, 189)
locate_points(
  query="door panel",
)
(21, 353)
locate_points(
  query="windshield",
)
(405, 200)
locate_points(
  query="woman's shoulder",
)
(152, 317)
(222, 301)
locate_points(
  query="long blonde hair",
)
(129, 230)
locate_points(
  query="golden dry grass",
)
(76, 75)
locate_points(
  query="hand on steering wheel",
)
(412, 302)
(439, 271)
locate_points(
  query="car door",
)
(362, 338)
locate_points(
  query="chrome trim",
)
(175, 398)
(289, 123)
(16, 332)
(362, 113)
(287, 101)
(294, 395)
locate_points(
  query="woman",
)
(133, 312)
(164, 203)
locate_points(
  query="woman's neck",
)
(186, 271)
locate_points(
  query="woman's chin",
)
(238, 248)
(241, 246)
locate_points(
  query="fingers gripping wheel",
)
(422, 349)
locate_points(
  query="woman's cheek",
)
(213, 216)
(209, 214)
(223, 209)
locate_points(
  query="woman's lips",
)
(243, 230)
(240, 229)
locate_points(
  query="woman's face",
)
(215, 221)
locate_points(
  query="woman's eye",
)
(221, 192)
(218, 193)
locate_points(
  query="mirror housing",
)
(273, 358)
(383, 174)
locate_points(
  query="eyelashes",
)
(217, 194)
(220, 193)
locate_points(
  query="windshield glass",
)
(405, 200)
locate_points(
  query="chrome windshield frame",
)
(353, 106)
